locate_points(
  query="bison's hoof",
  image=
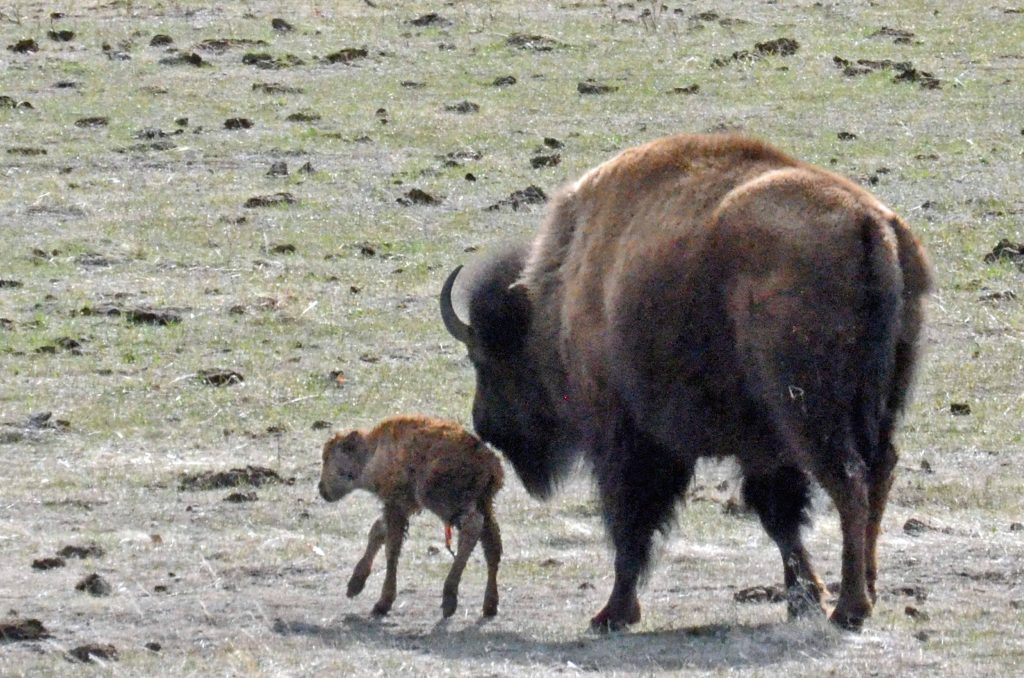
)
(849, 620)
(610, 619)
(490, 608)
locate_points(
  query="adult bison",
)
(704, 296)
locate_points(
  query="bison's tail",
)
(881, 311)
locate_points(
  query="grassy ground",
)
(146, 212)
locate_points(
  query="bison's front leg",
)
(639, 483)
(395, 523)
(362, 569)
(469, 534)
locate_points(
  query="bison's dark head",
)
(511, 408)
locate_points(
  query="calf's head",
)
(511, 409)
(344, 457)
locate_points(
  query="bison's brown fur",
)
(705, 296)
(412, 463)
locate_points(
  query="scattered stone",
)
(346, 55)
(254, 476)
(413, 84)
(92, 121)
(915, 613)
(237, 123)
(161, 40)
(26, 151)
(778, 47)
(922, 636)
(48, 563)
(1016, 527)
(10, 284)
(550, 562)
(531, 195)
(272, 200)
(13, 630)
(1006, 251)
(280, 25)
(24, 46)
(462, 107)
(184, 59)
(81, 552)
(899, 36)
(278, 168)
(432, 19)
(94, 585)
(220, 377)
(92, 652)
(846, 136)
(535, 43)
(268, 61)
(275, 88)
(688, 89)
(241, 497)
(926, 466)
(138, 316)
(307, 168)
(150, 133)
(416, 196)
(905, 71)
(760, 594)
(282, 248)
(916, 592)
(303, 116)
(337, 377)
(153, 646)
(504, 81)
(61, 35)
(539, 161)
(1000, 295)
(959, 409)
(916, 526)
(221, 45)
(590, 86)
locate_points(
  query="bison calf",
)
(412, 463)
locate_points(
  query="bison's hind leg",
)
(781, 500)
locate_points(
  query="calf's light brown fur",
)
(413, 463)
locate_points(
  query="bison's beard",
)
(541, 463)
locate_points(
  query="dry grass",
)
(258, 588)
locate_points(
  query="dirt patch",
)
(904, 71)
(138, 316)
(255, 476)
(14, 630)
(782, 47)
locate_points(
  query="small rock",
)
(922, 636)
(237, 123)
(346, 55)
(220, 377)
(1016, 527)
(504, 81)
(61, 36)
(1005, 250)
(303, 116)
(916, 526)
(431, 19)
(48, 563)
(463, 107)
(778, 47)
(591, 86)
(183, 59)
(278, 169)
(280, 25)
(536, 43)
(94, 585)
(915, 614)
(10, 284)
(241, 497)
(959, 409)
(688, 89)
(320, 425)
(161, 40)
(153, 646)
(539, 161)
(92, 652)
(12, 630)
(416, 196)
(81, 552)
(24, 46)
(282, 248)
(94, 121)
(760, 594)
(846, 136)
(307, 168)
(273, 200)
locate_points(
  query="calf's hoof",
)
(490, 608)
(381, 608)
(355, 586)
(448, 605)
(616, 618)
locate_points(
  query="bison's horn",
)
(455, 327)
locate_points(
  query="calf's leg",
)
(490, 538)
(395, 523)
(470, 527)
(362, 568)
